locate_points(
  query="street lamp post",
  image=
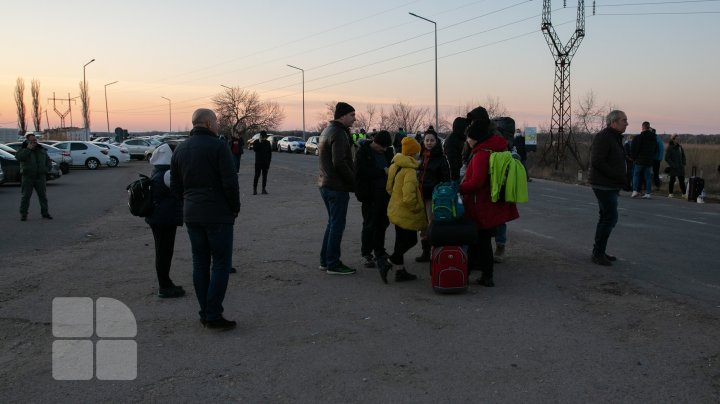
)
(107, 113)
(170, 105)
(86, 96)
(303, 96)
(436, 70)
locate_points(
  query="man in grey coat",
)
(203, 174)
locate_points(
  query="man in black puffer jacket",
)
(644, 150)
(203, 174)
(453, 146)
(371, 165)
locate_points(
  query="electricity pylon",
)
(561, 136)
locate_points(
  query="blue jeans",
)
(647, 172)
(501, 234)
(213, 241)
(336, 203)
(608, 203)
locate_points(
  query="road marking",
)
(554, 197)
(682, 220)
(539, 234)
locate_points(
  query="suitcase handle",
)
(694, 171)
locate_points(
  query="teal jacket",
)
(33, 163)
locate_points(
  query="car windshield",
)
(295, 139)
(154, 142)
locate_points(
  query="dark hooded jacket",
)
(433, 170)
(453, 147)
(644, 148)
(607, 160)
(370, 177)
(675, 157)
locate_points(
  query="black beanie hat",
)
(479, 128)
(342, 109)
(383, 138)
(459, 125)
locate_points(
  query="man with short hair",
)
(607, 178)
(202, 173)
(34, 164)
(336, 181)
(644, 151)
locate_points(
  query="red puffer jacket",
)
(475, 188)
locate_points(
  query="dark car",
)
(274, 139)
(311, 146)
(10, 166)
(62, 157)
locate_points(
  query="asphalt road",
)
(556, 328)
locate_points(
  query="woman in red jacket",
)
(475, 188)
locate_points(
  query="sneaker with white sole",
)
(671, 196)
(368, 261)
(340, 269)
(635, 194)
(647, 196)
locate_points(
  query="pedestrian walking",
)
(237, 149)
(263, 157)
(644, 151)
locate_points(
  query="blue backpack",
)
(446, 203)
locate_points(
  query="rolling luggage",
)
(449, 269)
(695, 186)
(459, 232)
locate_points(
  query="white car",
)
(86, 154)
(291, 144)
(118, 154)
(138, 147)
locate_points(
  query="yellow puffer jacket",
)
(406, 208)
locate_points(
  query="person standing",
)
(371, 166)
(519, 144)
(405, 209)
(434, 169)
(202, 175)
(34, 166)
(164, 220)
(475, 188)
(607, 178)
(644, 151)
(236, 147)
(336, 181)
(675, 158)
(453, 146)
(397, 140)
(263, 156)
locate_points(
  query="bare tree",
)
(36, 109)
(325, 115)
(493, 105)
(20, 103)
(366, 119)
(241, 111)
(590, 116)
(85, 100)
(408, 117)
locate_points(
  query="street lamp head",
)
(110, 83)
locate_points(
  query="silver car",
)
(61, 157)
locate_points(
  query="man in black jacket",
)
(371, 165)
(336, 181)
(263, 156)
(453, 147)
(607, 178)
(644, 149)
(203, 174)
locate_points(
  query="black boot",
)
(425, 257)
(403, 275)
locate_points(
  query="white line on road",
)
(682, 220)
(554, 197)
(539, 234)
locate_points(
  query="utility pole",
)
(561, 136)
(62, 115)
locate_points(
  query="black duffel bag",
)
(454, 233)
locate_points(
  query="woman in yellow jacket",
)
(406, 209)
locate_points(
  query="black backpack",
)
(140, 200)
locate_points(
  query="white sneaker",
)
(634, 194)
(684, 196)
(700, 199)
(647, 196)
(671, 196)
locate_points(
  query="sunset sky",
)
(656, 60)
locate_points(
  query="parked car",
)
(53, 172)
(10, 167)
(118, 154)
(62, 157)
(2, 175)
(85, 154)
(102, 140)
(252, 140)
(274, 139)
(311, 146)
(291, 144)
(138, 147)
(171, 141)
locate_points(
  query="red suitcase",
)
(449, 269)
